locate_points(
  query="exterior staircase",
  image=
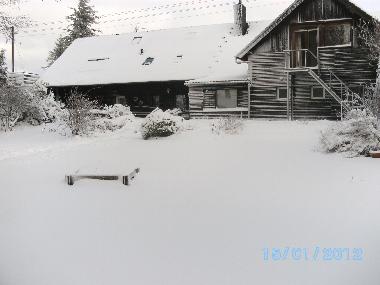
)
(327, 79)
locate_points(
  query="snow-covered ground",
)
(201, 212)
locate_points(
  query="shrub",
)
(15, 102)
(79, 116)
(53, 110)
(358, 134)
(161, 124)
(230, 125)
(112, 118)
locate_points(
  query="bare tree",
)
(14, 102)
(79, 112)
(7, 21)
(369, 34)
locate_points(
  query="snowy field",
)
(200, 213)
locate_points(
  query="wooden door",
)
(305, 46)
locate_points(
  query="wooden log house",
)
(149, 69)
(309, 62)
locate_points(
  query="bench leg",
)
(70, 180)
(125, 180)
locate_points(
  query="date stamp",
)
(315, 254)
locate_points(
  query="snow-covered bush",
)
(358, 134)
(174, 112)
(53, 110)
(44, 108)
(80, 117)
(161, 124)
(15, 104)
(230, 125)
(111, 118)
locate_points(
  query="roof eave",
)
(216, 82)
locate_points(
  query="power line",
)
(133, 11)
(137, 20)
(202, 2)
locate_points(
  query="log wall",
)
(202, 101)
(268, 74)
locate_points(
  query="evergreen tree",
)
(3, 68)
(61, 45)
(81, 20)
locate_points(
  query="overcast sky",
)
(120, 16)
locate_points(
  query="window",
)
(137, 40)
(121, 100)
(180, 102)
(148, 61)
(318, 93)
(357, 89)
(226, 98)
(156, 101)
(282, 93)
(99, 59)
(337, 34)
(178, 58)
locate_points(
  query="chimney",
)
(240, 19)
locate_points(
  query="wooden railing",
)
(300, 58)
(306, 60)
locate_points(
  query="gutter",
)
(240, 61)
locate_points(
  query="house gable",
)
(276, 36)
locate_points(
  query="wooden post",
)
(249, 98)
(288, 97)
(13, 48)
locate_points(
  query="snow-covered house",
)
(149, 69)
(309, 63)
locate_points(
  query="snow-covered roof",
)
(174, 54)
(226, 70)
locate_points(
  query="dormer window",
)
(137, 40)
(148, 61)
(99, 59)
(179, 58)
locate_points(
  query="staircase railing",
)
(300, 59)
(348, 99)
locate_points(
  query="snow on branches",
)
(357, 135)
(161, 124)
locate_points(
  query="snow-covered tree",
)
(7, 21)
(369, 34)
(14, 102)
(82, 20)
(3, 68)
(80, 117)
(61, 45)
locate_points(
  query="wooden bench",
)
(126, 179)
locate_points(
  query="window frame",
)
(321, 26)
(236, 91)
(278, 93)
(312, 93)
(336, 23)
(123, 98)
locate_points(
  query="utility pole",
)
(13, 48)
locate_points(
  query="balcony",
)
(302, 59)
